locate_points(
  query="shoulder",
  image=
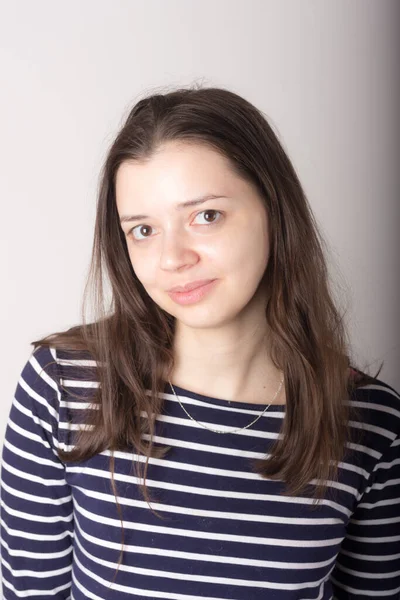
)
(34, 412)
(39, 374)
(61, 386)
(57, 362)
(377, 406)
(52, 372)
(378, 395)
(76, 365)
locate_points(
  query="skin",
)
(221, 341)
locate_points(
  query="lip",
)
(190, 286)
(194, 295)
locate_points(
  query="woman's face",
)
(225, 238)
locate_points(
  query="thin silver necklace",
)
(233, 430)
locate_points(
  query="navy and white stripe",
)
(226, 533)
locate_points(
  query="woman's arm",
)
(36, 504)
(368, 564)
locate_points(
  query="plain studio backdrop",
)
(325, 74)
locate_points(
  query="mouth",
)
(190, 286)
(194, 295)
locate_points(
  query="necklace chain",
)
(234, 430)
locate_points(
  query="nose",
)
(176, 250)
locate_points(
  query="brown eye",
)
(210, 212)
(140, 228)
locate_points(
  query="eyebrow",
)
(181, 206)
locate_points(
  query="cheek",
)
(143, 274)
(148, 272)
(248, 261)
(141, 268)
(250, 254)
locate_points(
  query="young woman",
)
(216, 442)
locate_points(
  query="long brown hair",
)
(130, 337)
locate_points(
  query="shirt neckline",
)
(181, 392)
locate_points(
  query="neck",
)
(238, 371)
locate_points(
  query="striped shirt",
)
(225, 533)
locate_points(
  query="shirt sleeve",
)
(368, 564)
(36, 505)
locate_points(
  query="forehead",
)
(174, 166)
